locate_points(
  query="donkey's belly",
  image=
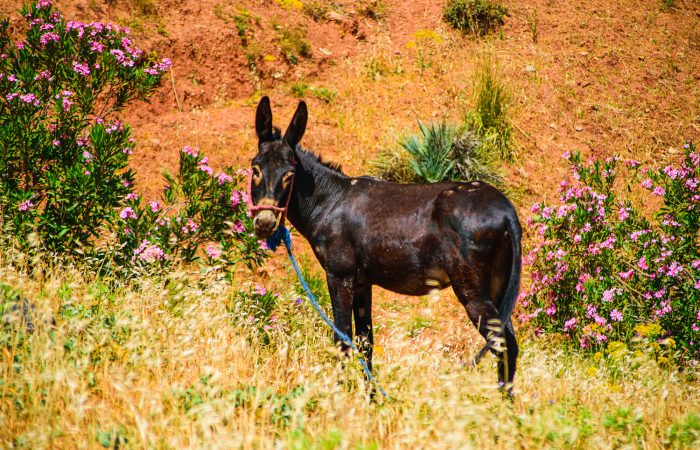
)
(411, 282)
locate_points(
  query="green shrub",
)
(603, 272)
(442, 152)
(292, 43)
(63, 155)
(373, 9)
(490, 116)
(474, 16)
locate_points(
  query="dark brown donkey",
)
(408, 238)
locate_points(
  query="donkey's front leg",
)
(342, 290)
(362, 310)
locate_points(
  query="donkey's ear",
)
(297, 126)
(263, 120)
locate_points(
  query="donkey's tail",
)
(505, 310)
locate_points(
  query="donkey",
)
(407, 238)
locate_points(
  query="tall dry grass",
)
(170, 362)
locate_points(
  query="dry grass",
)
(170, 363)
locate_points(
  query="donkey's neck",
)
(318, 190)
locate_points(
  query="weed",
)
(533, 25)
(668, 5)
(292, 42)
(317, 9)
(145, 8)
(478, 17)
(299, 89)
(373, 9)
(380, 66)
(324, 94)
(490, 116)
(684, 433)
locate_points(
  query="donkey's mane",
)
(335, 167)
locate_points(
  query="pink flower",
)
(190, 151)
(223, 178)
(56, 142)
(25, 205)
(577, 238)
(214, 251)
(131, 196)
(263, 245)
(238, 227)
(153, 253)
(616, 315)
(259, 289)
(190, 226)
(81, 69)
(659, 191)
(646, 184)
(570, 324)
(551, 310)
(642, 263)
(87, 155)
(205, 168)
(626, 275)
(48, 37)
(623, 214)
(127, 213)
(96, 46)
(155, 206)
(235, 199)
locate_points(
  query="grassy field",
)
(168, 363)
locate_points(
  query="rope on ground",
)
(282, 235)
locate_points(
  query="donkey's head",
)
(274, 167)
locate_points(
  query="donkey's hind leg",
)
(484, 315)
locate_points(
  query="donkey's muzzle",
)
(264, 223)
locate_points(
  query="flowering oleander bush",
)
(604, 271)
(202, 216)
(63, 153)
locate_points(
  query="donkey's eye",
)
(257, 175)
(286, 178)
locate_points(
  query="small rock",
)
(335, 17)
(578, 127)
(325, 51)
(583, 53)
(553, 126)
(672, 150)
(530, 69)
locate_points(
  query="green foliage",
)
(442, 152)
(63, 157)
(373, 9)
(604, 272)
(478, 17)
(395, 166)
(292, 42)
(381, 66)
(317, 9)
(202, 217)
(490, 116)
(684, 433)
(300, 89)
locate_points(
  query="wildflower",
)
(551, 310)
(190, 151)
(616, 315)
(153, 253)
(263, 245)
(205, 168)
(81, 69)
(235, 199)
(642, 263)
(238, 227)
(570, 324)
(96, 46)
(25, 205)
(609, 295)
(190, 226)
(87, 155)
(56, 142)
(659, 191)
(623, 214)
(43, 4)
(155, 206)
(127, 213)
(646, 184)
(131, 196)
(223, 178)
(214, 251)
(48, 37)
(260, 290)
(626, 275)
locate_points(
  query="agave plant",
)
(431, 156)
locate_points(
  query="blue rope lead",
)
(282, 235)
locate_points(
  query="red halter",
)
(255, 208)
